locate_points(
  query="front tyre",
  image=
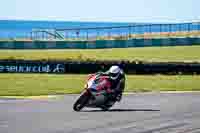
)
(81, 102)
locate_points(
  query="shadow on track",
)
(122, 110)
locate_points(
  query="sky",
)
(101, 10)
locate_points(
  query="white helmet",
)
(114, 72)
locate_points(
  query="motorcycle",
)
(96, 94)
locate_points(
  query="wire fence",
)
(121, 32)
(175, 30)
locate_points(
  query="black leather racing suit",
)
(117, 85)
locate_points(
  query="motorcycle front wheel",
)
(81, 101)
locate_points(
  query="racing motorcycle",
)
(96, 94)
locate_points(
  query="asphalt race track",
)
(137, 113)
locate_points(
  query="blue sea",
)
(22, 28)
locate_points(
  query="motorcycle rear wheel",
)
(105, 108)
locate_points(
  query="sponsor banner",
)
(34, 67)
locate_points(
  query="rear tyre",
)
(81, 102)
(105, 108)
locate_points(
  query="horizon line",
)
(91, 21)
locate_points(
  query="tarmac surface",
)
(136, 113)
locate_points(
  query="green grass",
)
(164, 54)
(49, 84)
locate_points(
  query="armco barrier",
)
(98, 44)
(76, 67)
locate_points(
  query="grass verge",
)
(49, 84)
(155, 54)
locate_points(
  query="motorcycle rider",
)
(117, 79)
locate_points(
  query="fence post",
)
(160, 30)
(133, 28)
(129, 29)
(87, 34)
(188, 27)
(179, 27)
(150, 28)
(198, 25)
(31, 36)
